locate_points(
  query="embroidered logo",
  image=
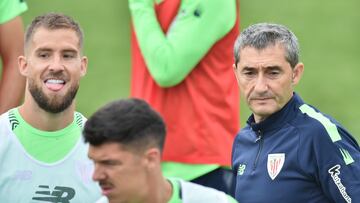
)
(275, 162)
(335, 172)
(241, 169)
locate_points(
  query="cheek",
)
(283, 92)
(76, 73)
(36, 70)
(245, 88)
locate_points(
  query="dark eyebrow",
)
(49, 49)
(69, 50)
(248, 68)
(273, 67)
(43, 49)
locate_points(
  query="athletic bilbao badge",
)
(274, 164)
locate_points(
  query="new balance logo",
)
(58, 195)
(241, 169)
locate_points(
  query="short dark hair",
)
(54, 21)
(130, 122)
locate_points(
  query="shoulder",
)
(192, 193)
(313, 124)
(226, 11)
(6, 120)
(103, 199)
(209, 4)
(4, 116)
(245, 136)
(322, 137)
(6, 125)
(244, 132)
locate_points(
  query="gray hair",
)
(262, 35)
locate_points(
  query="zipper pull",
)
(259, 136)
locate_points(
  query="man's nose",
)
(56, 64)
(98, 173)
(261, 84)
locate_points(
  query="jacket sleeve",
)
(334, 161)
(171, 56)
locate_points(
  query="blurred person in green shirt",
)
(181, 52)
(12, 84)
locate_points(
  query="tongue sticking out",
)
(54, 85)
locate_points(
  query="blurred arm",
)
(198, 26)
(12, 84)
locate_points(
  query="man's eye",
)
(44, 55)
(249, 73)
(273, 74)
(109, 163)
(69, 56)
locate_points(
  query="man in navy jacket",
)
(289, 151)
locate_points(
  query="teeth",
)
(54, 81)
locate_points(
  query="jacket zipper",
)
(260, 140)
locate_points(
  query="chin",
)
(116, 200)
(263, 112)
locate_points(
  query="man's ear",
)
(23, 65)
(235, 69)
(84, 64)
(297, 73)
(152, 158)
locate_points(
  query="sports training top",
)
(296, 155)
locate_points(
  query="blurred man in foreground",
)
(126, 141)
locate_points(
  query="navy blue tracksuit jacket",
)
(296, 155)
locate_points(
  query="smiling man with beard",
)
(42, 154)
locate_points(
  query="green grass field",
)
(328, 32)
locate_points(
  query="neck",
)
(258, 119)
(43, 120)
(167, 191)
(162, 193)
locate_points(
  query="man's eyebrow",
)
(50, 49)
(43, 49)
(275, 67)
(69, 50)
(248, 68)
